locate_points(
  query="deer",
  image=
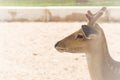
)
(90, 39)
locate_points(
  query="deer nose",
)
(57, 44)
(60, 44)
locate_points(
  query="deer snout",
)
(57, 44)
(60, 46)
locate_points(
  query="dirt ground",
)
(27, 51)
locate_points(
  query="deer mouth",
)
(61, 49)
(71, 50)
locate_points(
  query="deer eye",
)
(79, 36)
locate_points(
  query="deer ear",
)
(89, 32)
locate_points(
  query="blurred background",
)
(60, 2)
(58, 14)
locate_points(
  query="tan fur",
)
(101, 65)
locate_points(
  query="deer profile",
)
(90, 39)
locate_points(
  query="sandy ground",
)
(27, 51)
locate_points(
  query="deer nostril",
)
(57, 44)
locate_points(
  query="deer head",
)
(81, 40)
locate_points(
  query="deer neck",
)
(100, 64)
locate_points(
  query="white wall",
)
(38, 13)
